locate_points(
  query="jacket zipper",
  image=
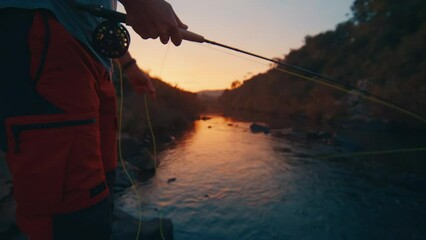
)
(17, 129)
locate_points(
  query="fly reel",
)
(111, 39)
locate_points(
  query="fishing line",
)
(235, 55)
(343, 88)
(164, 60)
(120, 152)
(313, 79)
(154, 146)
(326, 81)
(154, 142)
(354, 91)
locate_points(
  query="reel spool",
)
(111, 39)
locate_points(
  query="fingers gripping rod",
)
(186, 35)
(121, 17)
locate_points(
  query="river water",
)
(220, 181)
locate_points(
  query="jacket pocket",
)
(17, 129)
(43, 150)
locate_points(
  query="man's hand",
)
(154, 18)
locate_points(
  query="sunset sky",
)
(270, 28)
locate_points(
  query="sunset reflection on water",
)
(222, 158)
(233, 184)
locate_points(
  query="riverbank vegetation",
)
(171, 111)
(381, 49)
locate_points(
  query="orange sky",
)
(265, 27)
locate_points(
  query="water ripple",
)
(232, 184)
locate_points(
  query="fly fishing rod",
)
(124, 40)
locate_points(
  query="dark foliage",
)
(172, 110)
(381, 50)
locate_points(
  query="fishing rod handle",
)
(191, 36)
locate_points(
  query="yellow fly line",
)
(120, 152)
(353, 91)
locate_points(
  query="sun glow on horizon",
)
(270, 28)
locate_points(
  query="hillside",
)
(380, 50)
(172, 110)
(208, 99)
(210, 93)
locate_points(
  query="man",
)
(58, 111)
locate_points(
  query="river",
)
(220, 181)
